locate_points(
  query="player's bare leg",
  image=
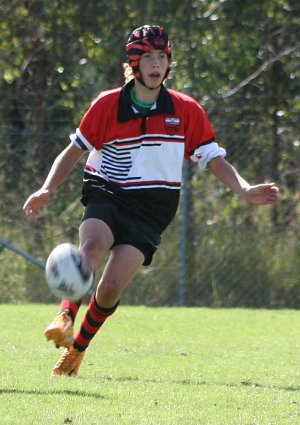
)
(96, 240)
(123, 264)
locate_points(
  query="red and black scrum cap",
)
(144, 39)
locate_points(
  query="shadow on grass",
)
(249, 383)
(246, 383)
(75, 393)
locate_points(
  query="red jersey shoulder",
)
(107, 96)
(184, 100)
(101, 115)
(197, 126)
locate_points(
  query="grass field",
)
(157, 366)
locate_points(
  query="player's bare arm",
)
(261, 194)
(61, 168)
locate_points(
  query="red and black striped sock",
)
(91, 323)
(72, 308)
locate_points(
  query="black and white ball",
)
(68, 274)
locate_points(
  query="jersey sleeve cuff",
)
(80, 141)
(203, 154)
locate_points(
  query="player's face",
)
(153, 67)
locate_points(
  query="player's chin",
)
(154, 83)
(154, 86)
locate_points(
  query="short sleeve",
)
(199, 130)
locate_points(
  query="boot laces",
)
(66, 361)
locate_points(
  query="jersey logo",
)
(172, 125)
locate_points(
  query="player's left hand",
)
(263, 194)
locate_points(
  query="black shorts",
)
(127, 228)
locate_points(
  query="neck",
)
(144, 94)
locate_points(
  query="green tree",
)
(239, 59)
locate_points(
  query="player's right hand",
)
(34, 203)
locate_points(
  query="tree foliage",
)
(240, 60)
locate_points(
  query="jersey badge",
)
(172, 125)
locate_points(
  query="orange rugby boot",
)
(60, 331)
(69, 362)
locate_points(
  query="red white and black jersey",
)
(138, 159)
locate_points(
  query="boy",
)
(137, 137)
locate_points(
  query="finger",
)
(272, 199)
(31, 213)
(28, 202)
(271, 185)
(25, 206)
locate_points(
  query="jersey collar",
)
(125, 113)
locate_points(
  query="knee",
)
(96, 239)
(94, 250)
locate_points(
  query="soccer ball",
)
(68, 275)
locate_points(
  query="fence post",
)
(183, 234)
